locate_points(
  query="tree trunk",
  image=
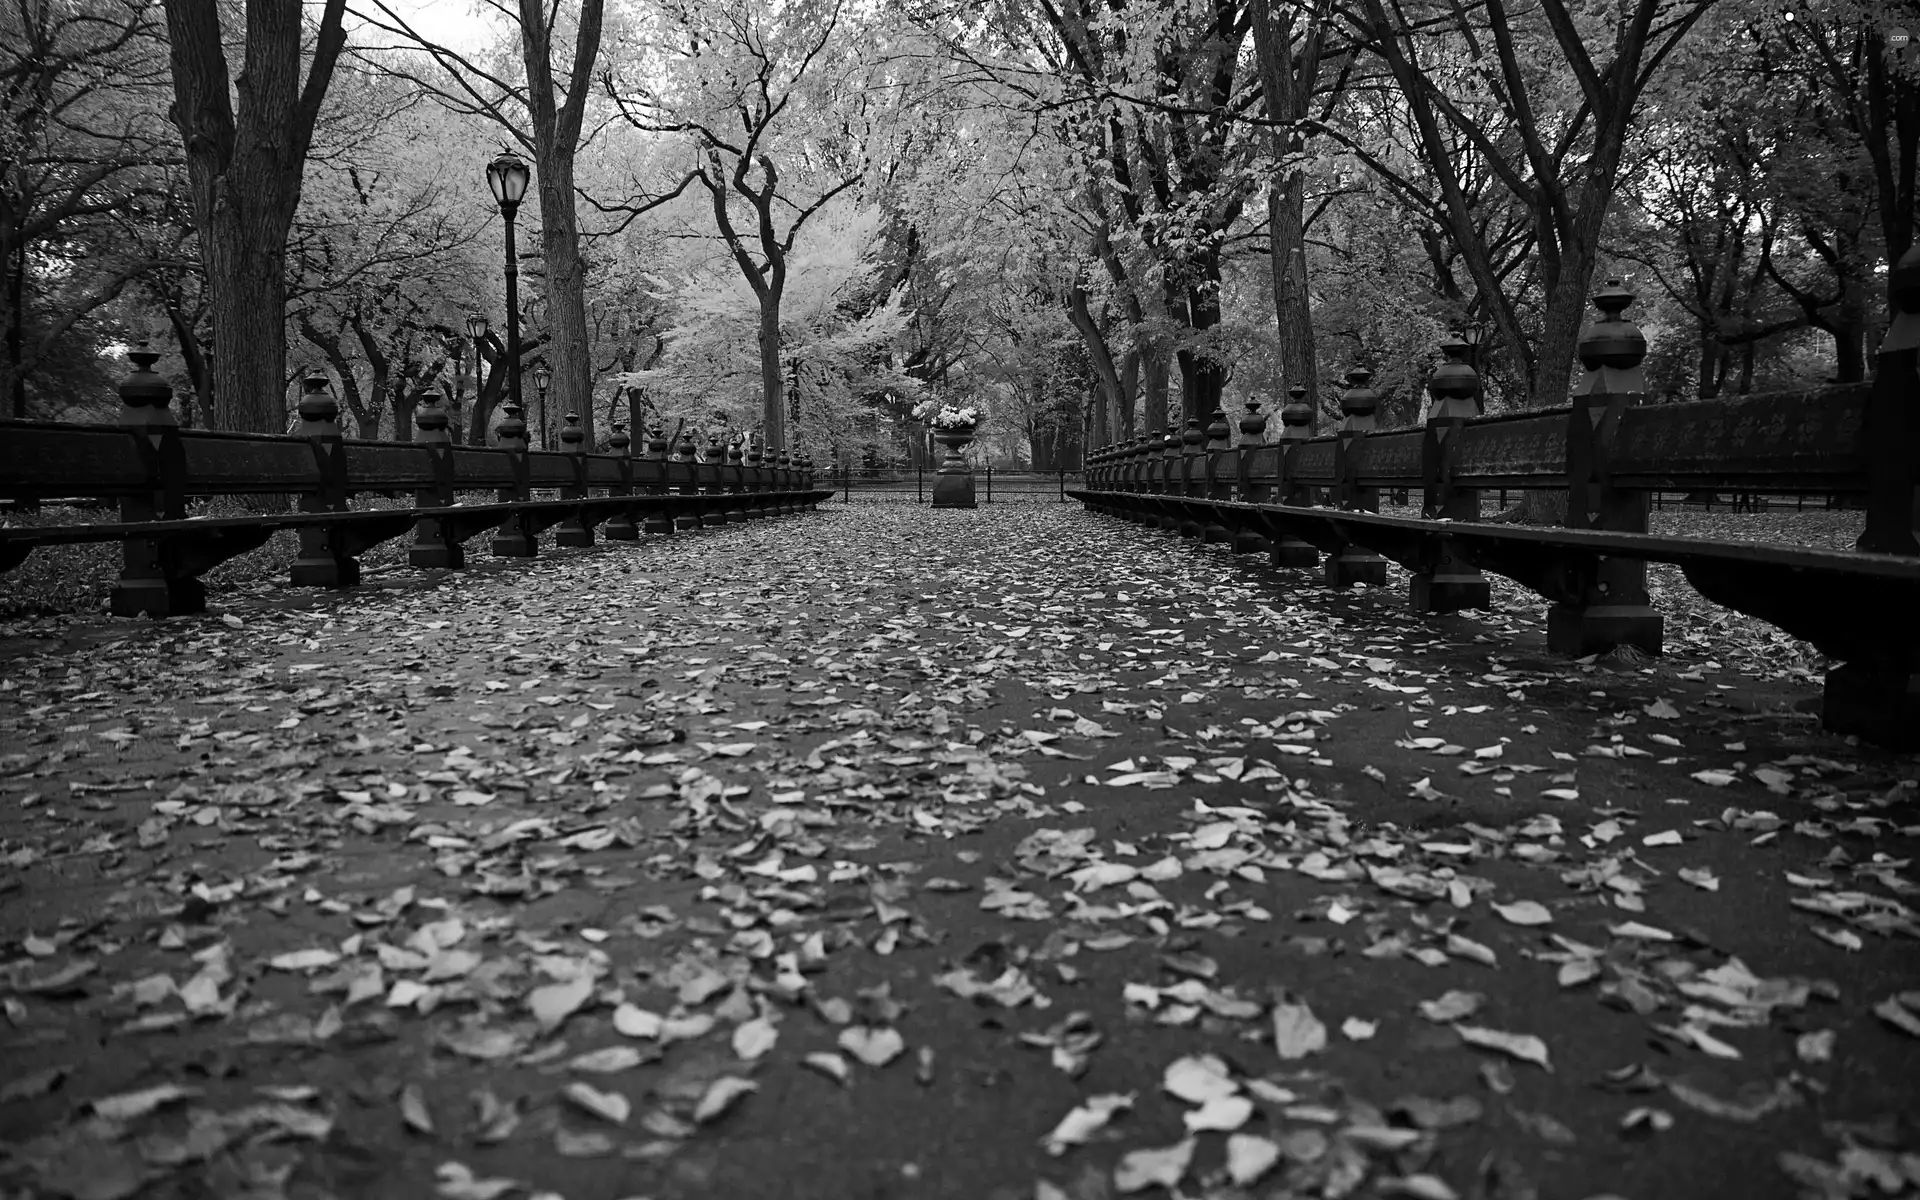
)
(1560, 330)
(1849, 332)
(487, 393)
(196, 362)
(1286, 204)
(13, 253)
(1203, 376)
(1713, 357)
(773, 408)
(556, 140)
(1106, 376)
(1155, 368)
(380, 370)
(1558, 348)
(1129, 387)
(1291, 309)
(244, 169)
(567, 351)
(368, 420)
(246, 272)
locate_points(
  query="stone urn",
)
(953, 485)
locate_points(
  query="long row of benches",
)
(155, 469)
(1304, 496)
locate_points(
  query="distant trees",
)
(770, 104)
(1091, 217)
(837, 322)
(83, 143)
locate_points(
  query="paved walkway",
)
(890, 853)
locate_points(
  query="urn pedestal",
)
(953, 485)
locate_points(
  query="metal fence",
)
(1495, 500)
(896, 485)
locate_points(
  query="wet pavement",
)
(884, 852)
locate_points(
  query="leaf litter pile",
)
(1011, 853)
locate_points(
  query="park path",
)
(882, 852)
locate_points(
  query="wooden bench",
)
(1305, 496)
(153, 468)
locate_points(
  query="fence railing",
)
(1607, 454)
(903, 485)
(153, 468)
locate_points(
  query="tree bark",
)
(1106, 377)
(556, 141)
(381, 370)
(1155, 371)
(198, 373)
(244, 168)
(1203, 375)
(1286, 197)
(13, 252)
(1129, 387)
(367, 420)
(773, 405)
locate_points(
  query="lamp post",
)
(476, 333)
(541, 378)
(507, 178)
(1473, 336)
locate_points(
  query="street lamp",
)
(507, 178)
(541, 378)
(1473, 335)
(476, 333)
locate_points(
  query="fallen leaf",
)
(1249, 1157)
(1578, 970)
(1198, 1078)
(753, 1039)
(1418, 1187)
(720, 1096)
(609, 1060)
(1896, 1014)
(1296, 1031)
(831, 1065)
(413, 1109)
(303, 960)
(1452, 1006)
(609, 1106)
(553, 1004)
(1523, 1046)
(1753, 1102)
(1139, 1170)
(874, 1046)
(1222, 1114)
(1467, 948)
(455, 1181)
(131, 1106)
(1815, 1047)
(1525, 912)
(1658, 1120)
(637, 1022)
(1634, 929)
(1085, 1120)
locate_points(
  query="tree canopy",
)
(797, 219)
